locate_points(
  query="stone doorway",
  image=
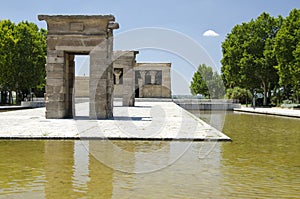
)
(70, 35)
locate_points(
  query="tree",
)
(207, 83)
(7, 49)
(22, 57)
(248, 59)
(243, 95)
(30, 57)
(287, 51)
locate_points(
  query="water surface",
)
(263, 161)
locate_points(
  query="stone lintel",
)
(152, 65)
(79, 24)
(124, 53)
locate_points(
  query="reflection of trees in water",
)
(262, 158)
(21, 164)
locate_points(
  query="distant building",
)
(153, 80)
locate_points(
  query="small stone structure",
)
(123, 64)
(153, 80)
(70, 35)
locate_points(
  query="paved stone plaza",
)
(147, 120)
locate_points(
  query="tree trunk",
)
(17, 97)
(3, 97)
(265, 94)
(10, 97)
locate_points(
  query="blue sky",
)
(191, 18)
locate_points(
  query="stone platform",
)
(146, 121)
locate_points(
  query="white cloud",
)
(210, 33)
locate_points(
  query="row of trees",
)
(22, 59)
(260, 56)
(209, 85)
(263, 55)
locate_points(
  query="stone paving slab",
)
(271, 111)
(145, 121)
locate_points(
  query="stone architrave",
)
(69, 35)
(125, 60)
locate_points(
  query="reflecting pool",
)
(262, 161)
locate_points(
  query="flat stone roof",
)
(55, 17)
(146, 121)
(153, 64)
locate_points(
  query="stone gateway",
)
(70, 35)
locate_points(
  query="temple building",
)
(133, 80)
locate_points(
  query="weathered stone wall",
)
(71, 35)
(155, 91)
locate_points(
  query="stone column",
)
(117, 74)
(100, 85)
(166, 81)
(70, 82)
(141, 82)
(143, 76)
(55, 84)
(153, 74)
(128, 86)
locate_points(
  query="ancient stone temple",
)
(153, 80)
(134, 80)
(70, 35)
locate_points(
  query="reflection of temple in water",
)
(99, 169)
(71, 171)
(111, 169)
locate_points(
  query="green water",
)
(263, 161)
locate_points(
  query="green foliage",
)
(22, 57)
(289, 104)
(207, 83)
(287, 51)
(248, 59)
(241, 94)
